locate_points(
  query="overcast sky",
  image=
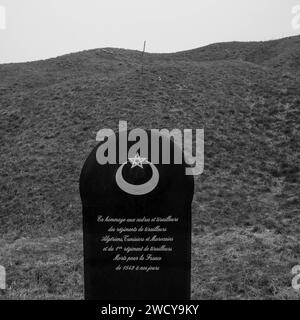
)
(39, 29)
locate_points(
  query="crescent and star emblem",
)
(139, 189)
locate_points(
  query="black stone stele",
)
(136, 246)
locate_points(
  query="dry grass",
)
(246, 221)
(232, 263)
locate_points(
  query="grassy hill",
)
(246, 222)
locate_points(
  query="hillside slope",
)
(245, 95)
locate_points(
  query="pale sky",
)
(39, 29)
